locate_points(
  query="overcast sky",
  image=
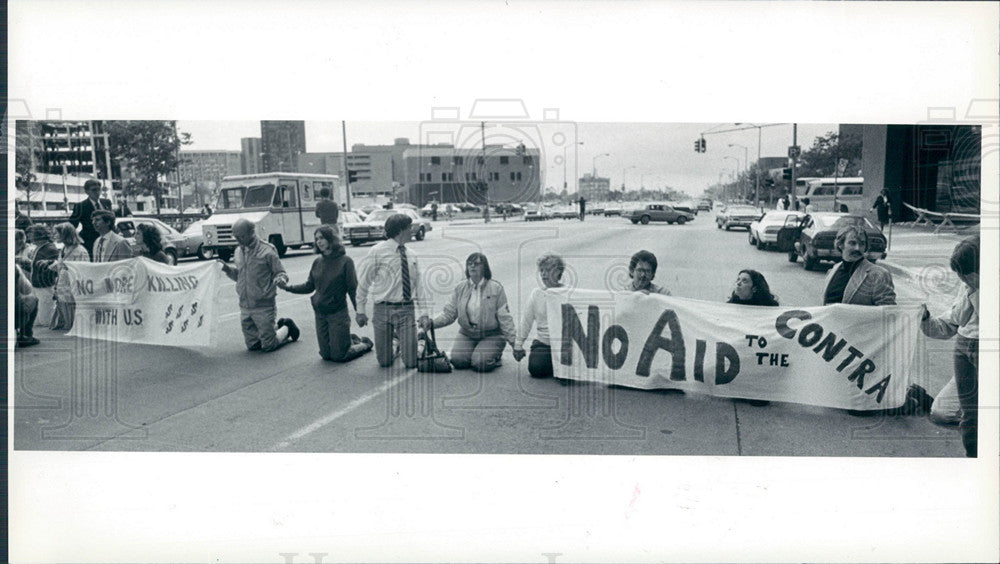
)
(656, 154)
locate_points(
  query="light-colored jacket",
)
(494, 311)
(115, 248)
(869, 285)
(257, 271)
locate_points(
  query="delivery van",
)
(281, 205)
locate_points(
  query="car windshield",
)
(259, 196)
(844, 221)
(379, 216)
(232, 198)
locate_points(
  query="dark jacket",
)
(41, 275)
(332, 278)
(81, 216)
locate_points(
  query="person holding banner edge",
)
(550, 271)
(642, 270)
(257, 272)
(332, 278)
(752, 289)
(72, 251)
(962, 320)
(857, 281)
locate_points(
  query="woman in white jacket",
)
(550, 270)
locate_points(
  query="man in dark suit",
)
(82, 212)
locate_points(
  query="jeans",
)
(400, 320)
(967, 380)
(259, 329)
(482, 355)
(333, 334)
(540, 360)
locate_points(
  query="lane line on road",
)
(326, 420)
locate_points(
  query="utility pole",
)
(795, 158)
(482, 132)
(347, 174)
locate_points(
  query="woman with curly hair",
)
(752, 289)
(150, 243)
(72, 251)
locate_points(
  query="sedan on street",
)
(175, 244)
(659, 212)
(764, 231)
(373, 227)
(813, 238)
(737, 216)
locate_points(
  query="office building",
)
(281, 142)
(448, 174)
(594, 188)
(250, 159)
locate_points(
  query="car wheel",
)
(727, 226)
(171, 256)
(718, 225)
(355, 243)
(681, 220)
(419, 235)
(793, 255)
(225, 254)
(205, 254)
(750, 239)
(645, 220)
(761, 245)
(634, 221)
(809, 262)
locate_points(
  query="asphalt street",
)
(222, 398)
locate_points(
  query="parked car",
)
(467, 207)
(737, 215)
(613, 209)
(511, 209)
(443, 210)
(175, 244)
(659, 212)
(406, 206)
(370, 208)
(536, 213)
(764, 231)
(595, 210)
(348, 218)
(373, 227)
(567, 213)
(195, 238)
(813, 238)
(705, 205)
(685, 208)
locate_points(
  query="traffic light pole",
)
(347, 174)
(791, 187)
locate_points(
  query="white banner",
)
(143, 301)
(842, 356)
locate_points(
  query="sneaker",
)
(923, 400)
(293, 329)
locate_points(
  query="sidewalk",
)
(922, 259)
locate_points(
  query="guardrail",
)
(945, 219)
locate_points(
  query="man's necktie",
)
(100, 248)
(405, 270)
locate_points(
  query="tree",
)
(28, 139)
(150, 149)
(821, 159)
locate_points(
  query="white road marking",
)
(326, 420)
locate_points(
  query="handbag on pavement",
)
(431, 359)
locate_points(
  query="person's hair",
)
(761, 291)
(90, 184)
(857, 230)
(805, 201)
(67, 235)
(396, 224)
(487, 273)
(965, 258)
(39, 232)
(324, 192)
(553, 261)
(330, 234)
(642, 256)
(107, 216)
(150, 238)
(20, 238)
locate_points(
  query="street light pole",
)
(746, 158)
(565, 187)
(736, 167)
(593, 163)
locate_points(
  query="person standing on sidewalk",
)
(583, 208)
(333, 280)
(961, 320)
(881, 207)
(327, 210)
(257, 273)
(390, 276)
(83, 213)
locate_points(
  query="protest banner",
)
(841, 356)
(143, 301)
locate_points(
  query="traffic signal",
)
(786, 174)
(697, 145)
(702, 142)
(352, 176)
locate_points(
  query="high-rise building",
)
(76, 148)
(250, 160)
(281, 142)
